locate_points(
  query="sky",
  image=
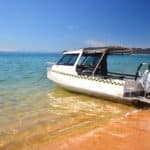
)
(54, 25)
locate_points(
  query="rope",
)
(42, 77)
(44, 73)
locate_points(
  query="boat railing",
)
(100, 60)
(121, 75)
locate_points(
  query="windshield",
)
(68, 59)
(88, 60)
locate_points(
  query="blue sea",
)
(33, 110)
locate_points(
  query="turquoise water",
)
(34, 110)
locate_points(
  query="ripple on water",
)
(43, 118)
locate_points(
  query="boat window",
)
(87, 63)
(89, 60)
(68, 59)
(125, 64)
(82, 58)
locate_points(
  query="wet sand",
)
(130, 132)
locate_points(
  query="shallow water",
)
(33, 110)
(40, 118)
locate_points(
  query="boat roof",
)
(106, 50)
(77, 51)
(110, 50)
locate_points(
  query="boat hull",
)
(107, 88)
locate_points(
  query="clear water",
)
(33, 110)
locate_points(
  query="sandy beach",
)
(129, 132)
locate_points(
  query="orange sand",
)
(130, 133)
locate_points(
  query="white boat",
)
(86, 71)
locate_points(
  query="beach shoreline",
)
(129, 132)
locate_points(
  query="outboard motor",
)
(145, 80)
